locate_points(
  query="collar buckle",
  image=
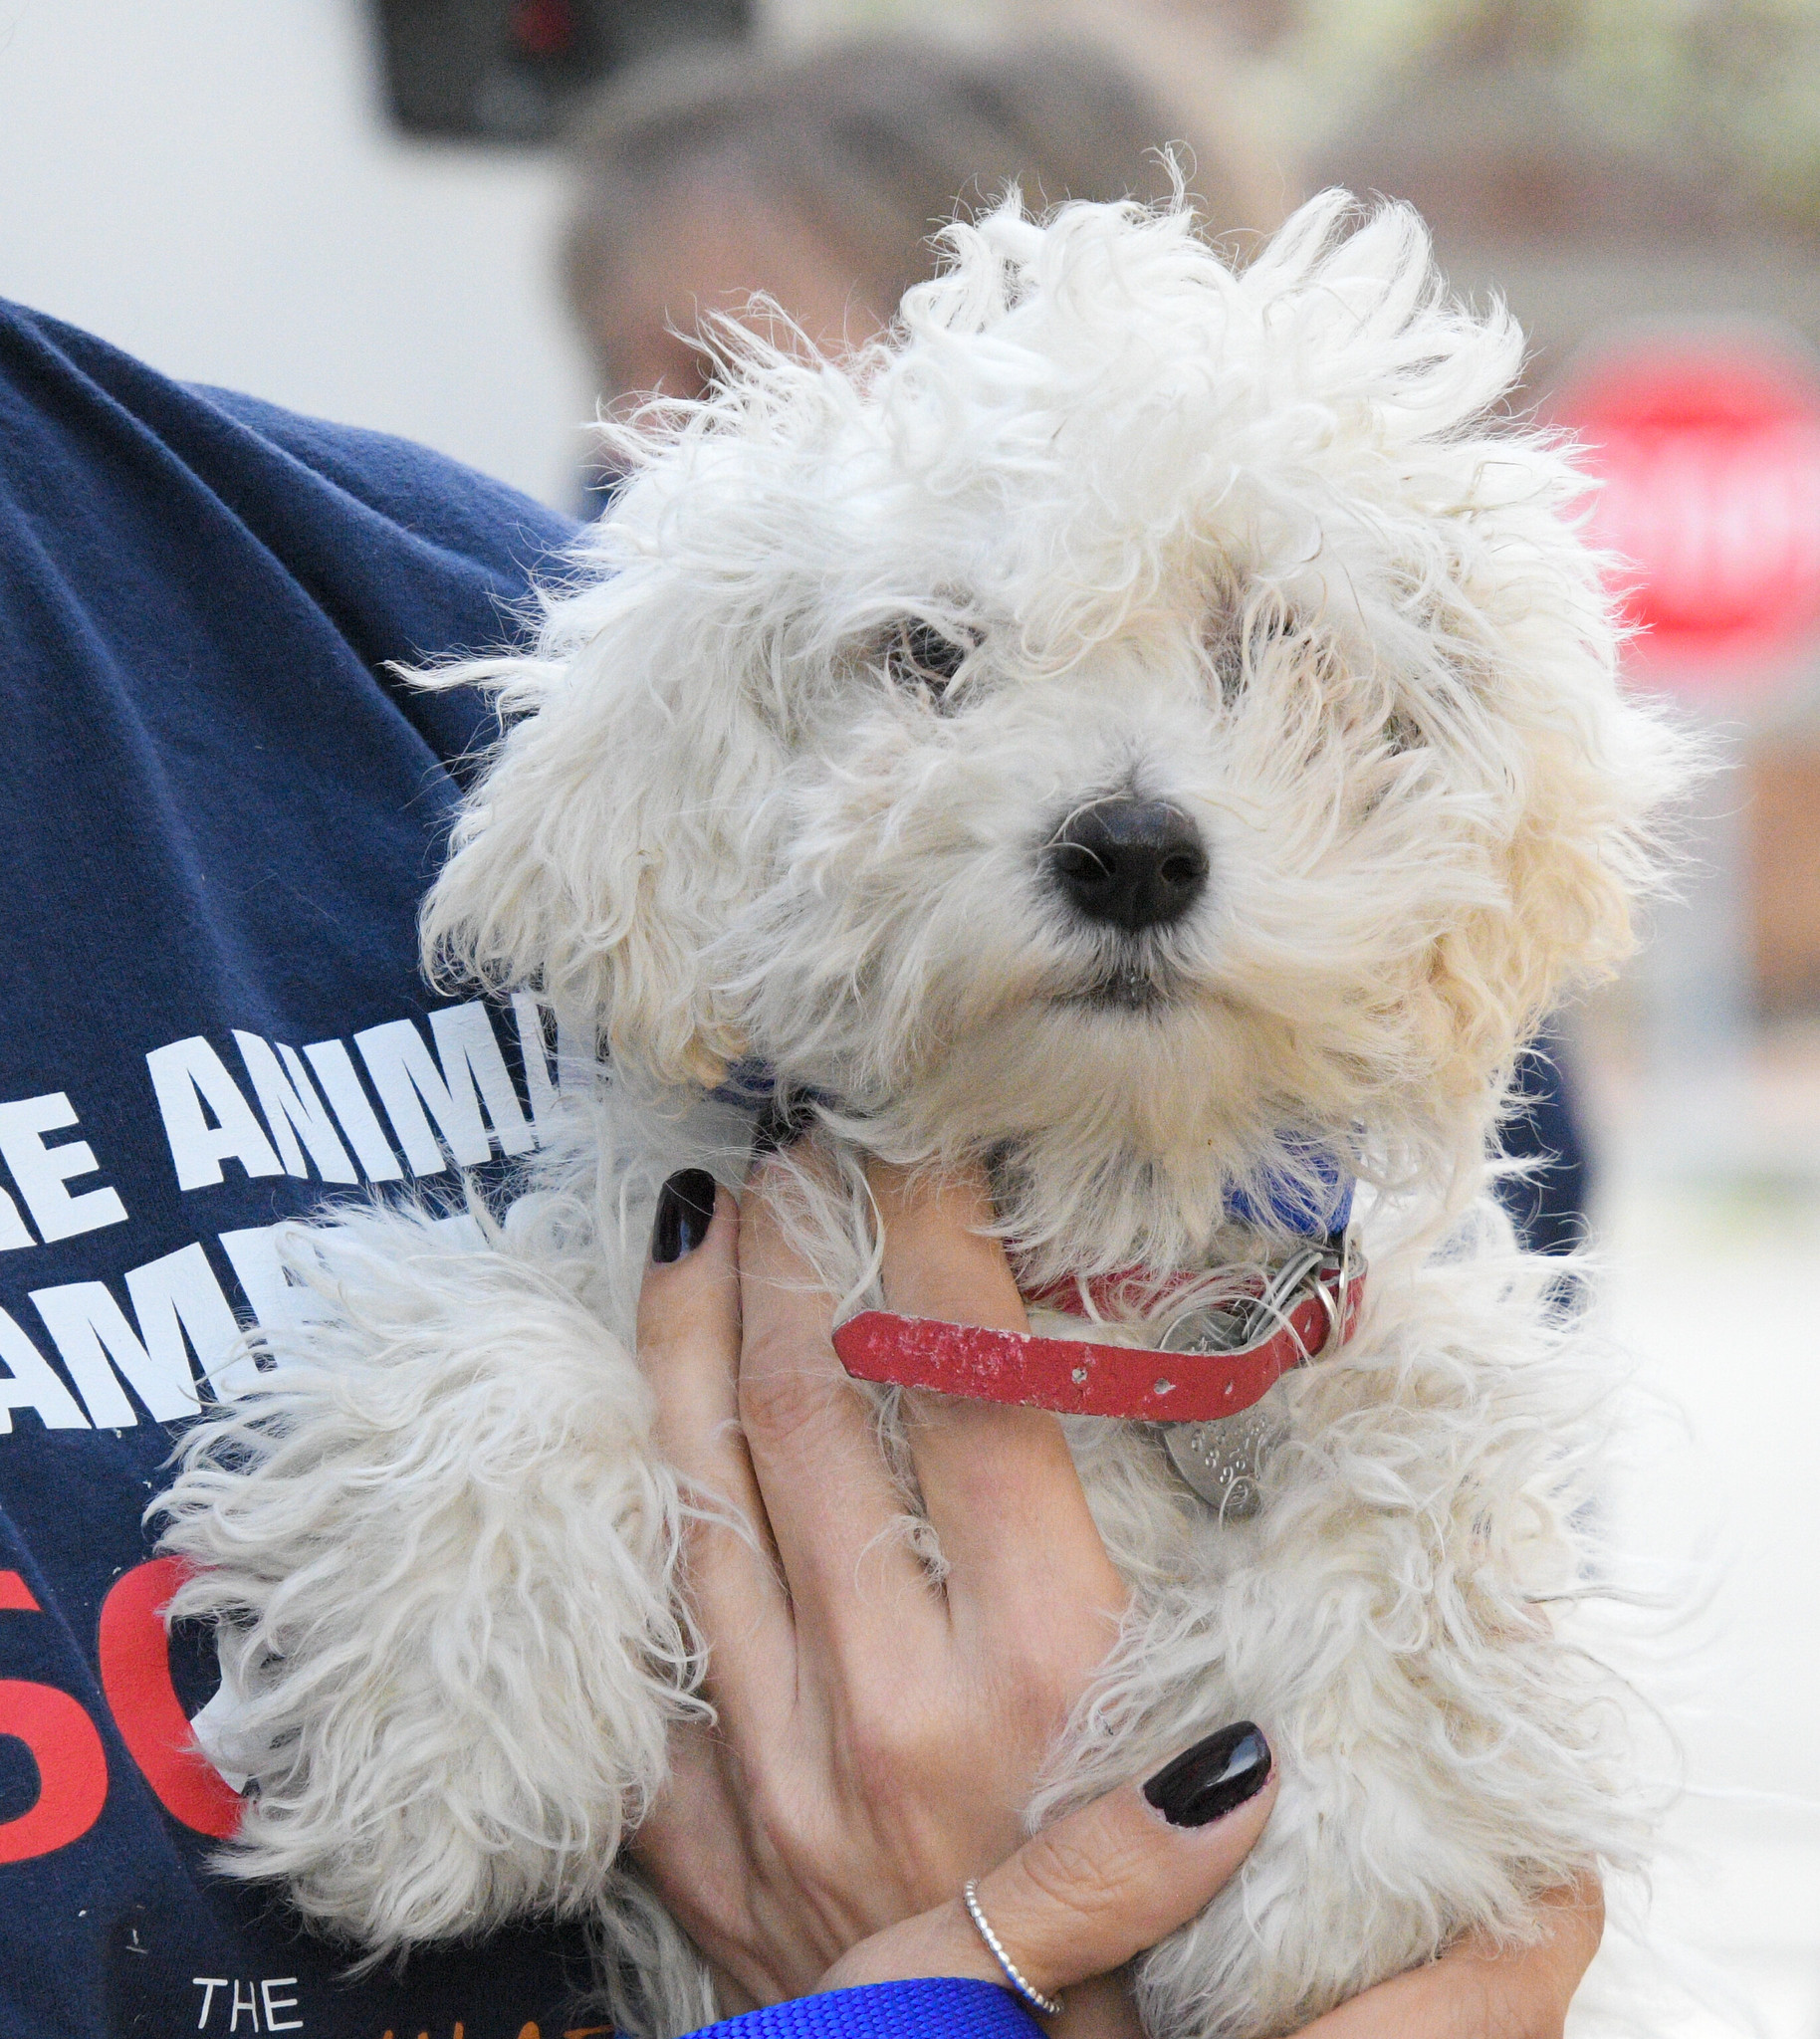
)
(1324, 1273)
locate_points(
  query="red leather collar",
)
(1298, 1320)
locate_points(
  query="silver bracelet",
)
(1049, 2006)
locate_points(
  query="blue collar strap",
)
(1313, 1201)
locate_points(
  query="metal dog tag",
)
(1218, 1460)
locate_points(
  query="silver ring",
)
(1049, 2006)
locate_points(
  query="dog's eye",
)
(1242, 642)
(1402, 733)
(922, 656)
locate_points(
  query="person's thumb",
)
(1098, 1886)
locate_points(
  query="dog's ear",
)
(598, 856)
(1579, 776)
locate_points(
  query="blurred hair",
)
(871, 145)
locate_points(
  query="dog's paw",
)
(436, 1552)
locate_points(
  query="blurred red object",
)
(1706, 443)
(543, 28)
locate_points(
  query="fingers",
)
(1095, 1889)
(689, 1351)
(998, 1482)
(1092, 1890)
(1574, 1921)
(830, 1497)
(686, 1843)
(1478, 1990)
(694, 1849)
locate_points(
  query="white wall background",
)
(208, 185)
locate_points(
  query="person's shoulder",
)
(426, 492)
(285, 474)
(406, 556)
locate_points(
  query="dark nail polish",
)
(685, 1210)
(1206, 1782)
(781, 1123)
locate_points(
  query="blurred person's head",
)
(819, 178)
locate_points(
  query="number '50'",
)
(66, 1745)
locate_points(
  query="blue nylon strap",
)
(937, 2007)
(1320, 1210)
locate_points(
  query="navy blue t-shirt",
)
(220, 811)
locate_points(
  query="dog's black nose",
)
(1131, 863)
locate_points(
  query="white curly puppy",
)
(1146, 726)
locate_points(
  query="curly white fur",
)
(1247, 541)
(457, 1527)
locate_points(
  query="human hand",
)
(1097, 1886)
(1476, 1990)
(819, 1836)
(878, 1732)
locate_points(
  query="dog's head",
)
(1144, 721)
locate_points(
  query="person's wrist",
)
(939, 1941)
(1073, 1906)
(943, 1942)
